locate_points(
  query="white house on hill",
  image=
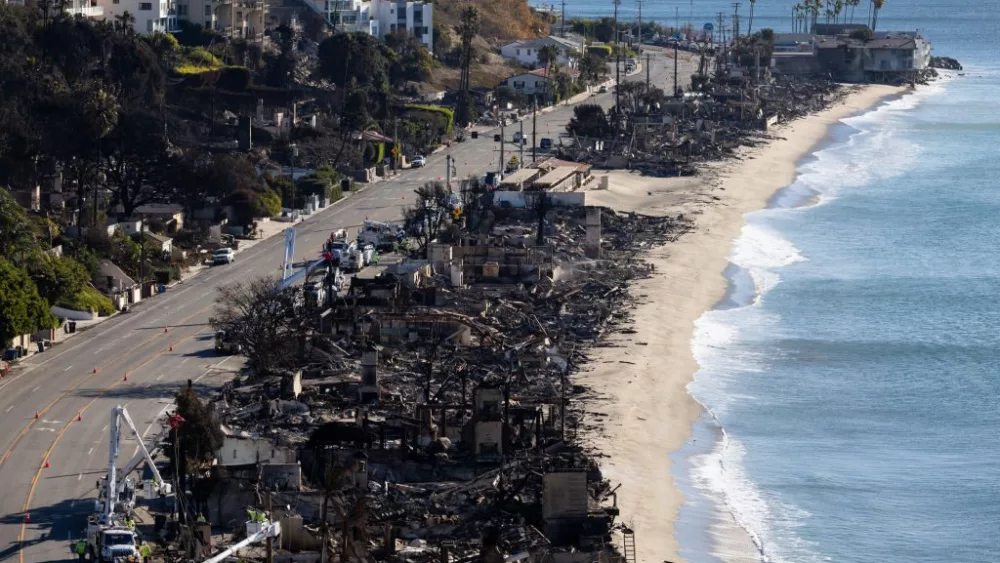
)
(526, 52)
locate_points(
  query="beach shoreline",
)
(638, 387)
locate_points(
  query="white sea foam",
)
(723, 342)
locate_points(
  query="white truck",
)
(341, 250)
(109, 538)
(381, 235)
(363, 255)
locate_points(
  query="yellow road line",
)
(34, 480)
(31, 423)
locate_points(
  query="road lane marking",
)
(184, 361)
(8, 408)
(79, 477)
(38, 473)
(159, 377)
(105, 429)
(91, 452)
(24, 431)
(68, 368)
(36, 388)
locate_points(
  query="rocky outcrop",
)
(946, 63)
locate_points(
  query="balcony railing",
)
(90, 11)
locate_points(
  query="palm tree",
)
(125, 23)
(548, 58)
(467, 31)
(876, 6)
(853, 4)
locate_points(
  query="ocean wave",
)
(721, 475)
(875, 148)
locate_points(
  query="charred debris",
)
(426, 413)
(732, 101)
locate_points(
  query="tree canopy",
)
(22, 309)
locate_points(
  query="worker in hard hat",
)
(145, 552)
(81, 549)
(130, 522)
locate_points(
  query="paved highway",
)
(162, 343)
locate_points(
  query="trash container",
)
(71, 326)
(41, 346)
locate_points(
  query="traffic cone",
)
(95, 370)
(36, 413)
(79, 417)
(46, 466)
(126, 377)
(171, 348)
(166, 329)
(27, 518)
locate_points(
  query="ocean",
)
(851, 376)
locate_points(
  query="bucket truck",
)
(109, 537)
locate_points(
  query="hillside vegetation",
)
(501, 19)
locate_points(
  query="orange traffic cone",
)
(126, 377)
(171, 348)
(79, 417)
(95, 370)
(166, 329)
(36, 413)
(47, 464)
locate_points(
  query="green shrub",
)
(600, 50)
(88, 299)
(447, 113)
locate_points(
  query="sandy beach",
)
(639, 388)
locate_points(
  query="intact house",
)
(888, 56)
(116, 284)
(539, 83)
(526, 52)
(379, 18)
(234, 19)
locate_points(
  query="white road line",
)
(159, 377)
(92, 449)
(184, 360)
(79, 477)
(105, 429)
(8, 408)
(67, 368)
(36, 388)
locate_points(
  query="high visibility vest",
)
(81, 547)
(145, 550)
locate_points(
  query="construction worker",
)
(81, 549)
(375, 258)
(145, 552)
(131, 523)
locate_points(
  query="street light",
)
(294, 153)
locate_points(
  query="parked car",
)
(418, 162)
(545, 144)
(603, 89)
(223, 256)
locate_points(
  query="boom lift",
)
(109, 537)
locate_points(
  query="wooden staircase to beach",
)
(628, 545)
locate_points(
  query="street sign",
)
(395, 150)
(709, 27)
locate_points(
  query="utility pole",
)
(638, 4)
(647, 73)
(270, 540)
(142, 256)
(736, 21)
(675, 70)
(562, 28)
(447, 172)
(503, 164)
(521, 158)
(534, 127)
(618, 63)
(395, 144)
